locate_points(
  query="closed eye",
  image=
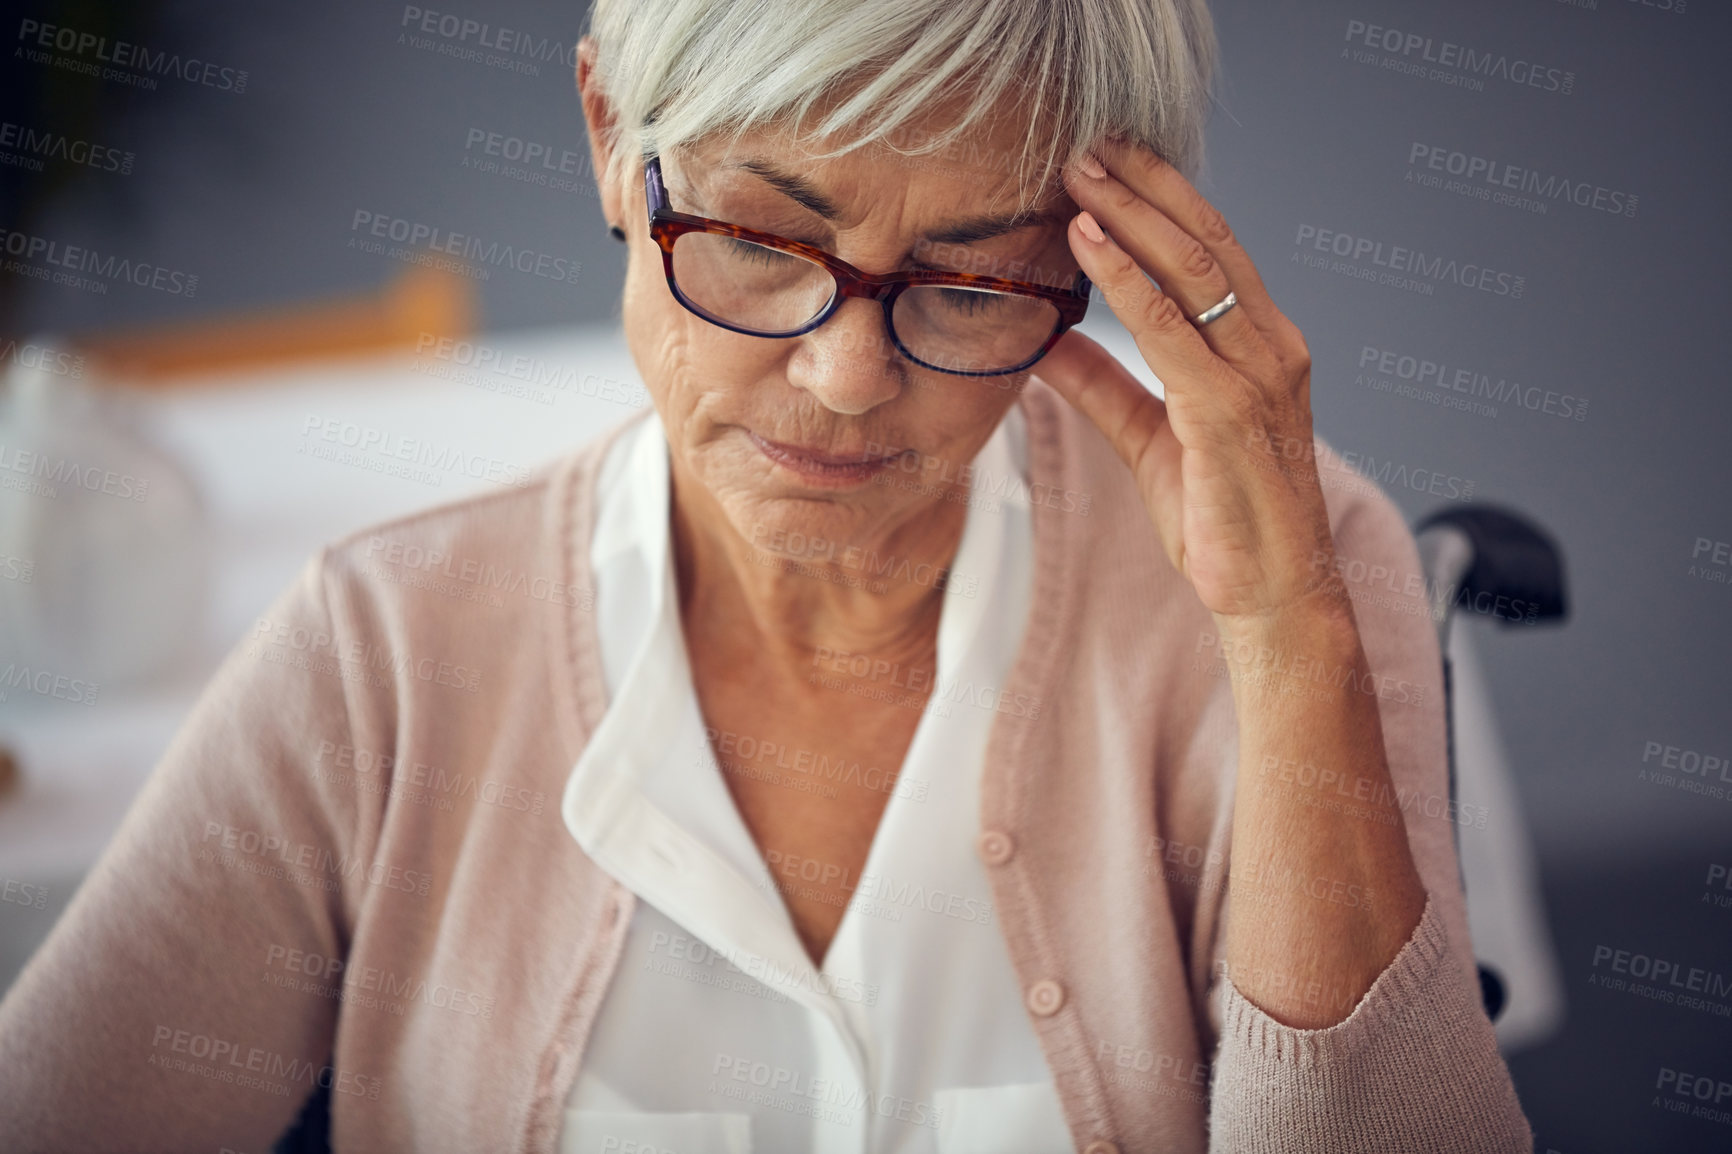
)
(757, 253)
(969, 302)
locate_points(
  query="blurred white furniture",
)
(270, 502)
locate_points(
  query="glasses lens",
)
(749, 286)
(968, 330)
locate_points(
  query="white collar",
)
(646, 780)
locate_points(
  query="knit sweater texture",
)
(349, 869)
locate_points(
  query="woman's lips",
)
(836, 469)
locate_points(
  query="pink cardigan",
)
(350, 869)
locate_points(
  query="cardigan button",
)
(995, 847)
(1045, 997)
(1101, 1146)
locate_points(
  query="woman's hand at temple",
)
(1226, 469)
(1224, 464)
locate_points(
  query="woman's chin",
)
(807, 527)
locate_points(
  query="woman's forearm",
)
(1323, 888)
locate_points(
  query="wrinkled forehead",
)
(1002, 165)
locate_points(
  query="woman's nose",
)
(849, 362)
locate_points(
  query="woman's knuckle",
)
(1161, 313)
(1123, 284)
(1122, 196)
(1212, 226)
(1196, 261)
(1292, 350)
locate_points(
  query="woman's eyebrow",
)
(796, 187)
(979, 228)
(987, 227)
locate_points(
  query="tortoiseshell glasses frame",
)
(666, 226)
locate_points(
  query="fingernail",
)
(1090, 166)
(1089, 228)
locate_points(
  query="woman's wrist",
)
(1312, 639)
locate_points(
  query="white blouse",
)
(717, 1034)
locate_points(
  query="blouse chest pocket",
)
(1021, 1118)
(618, 1132)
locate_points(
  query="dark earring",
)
(617, 231)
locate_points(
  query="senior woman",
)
(911, 736)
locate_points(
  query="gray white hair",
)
(1080, 70)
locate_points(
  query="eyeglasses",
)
(765, 285)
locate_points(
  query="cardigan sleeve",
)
(1415, 1065)
(185, 1000)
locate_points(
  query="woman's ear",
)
(599, 116)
